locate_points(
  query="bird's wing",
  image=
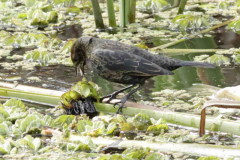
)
(126, 62)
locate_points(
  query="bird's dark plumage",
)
(122, 63)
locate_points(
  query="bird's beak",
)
(79, 70)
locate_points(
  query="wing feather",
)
(130, 63)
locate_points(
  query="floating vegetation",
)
(190, 22)
(153, 6)
(80, 99)
(235, 26)
(42, 57)
(35, 39)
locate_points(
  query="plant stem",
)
(172, 52)
(124, 12)
(97, 15)
(111, 13)
(132, 11)
(182, 6)
(193, 35)
(187, 148)
(48, 96)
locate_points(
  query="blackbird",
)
(122, 63)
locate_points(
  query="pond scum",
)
(33, 33)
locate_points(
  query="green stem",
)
(124, 12)
(172, 52)
(122, 17)
(193, 35)
(182, 6)
(97, 15)
(127, 10)
(178, 118)
(51, 97)
(187, 148)
(132, 12)
(111, 13)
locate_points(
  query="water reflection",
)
(61, 77)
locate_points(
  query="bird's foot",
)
(120, 104)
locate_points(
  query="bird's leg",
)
(125, 98)
(114, 94)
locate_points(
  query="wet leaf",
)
(85, 90)
(157, 129)
(15, 103)
(30, 142)
(64, 119)
(153, 6)
(42, 57)
(4, 130)
(209, 158)
(154, 156)
(111, 128)
(82, 147)
(136, 153)
(73, 9)
(188, 21)
(218, 60)
(5, 147)
(234, 26)
(52, 17)
(22, 15)
(126, 127)
(82, 124)
(236, 58)
(31, 122)
(141, 121)
(30, 3)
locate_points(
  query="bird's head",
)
(79, 56)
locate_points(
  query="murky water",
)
(61, 77)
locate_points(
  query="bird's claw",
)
(120, 104)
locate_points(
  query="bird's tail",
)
(197, 64)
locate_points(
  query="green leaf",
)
(30, 3)
(236, 58)
(4, 130)
(42, 57)
(85, 90)
(52, 17)
(141, 121)
(64, 119)
(154, 156)
(30, 142)
(22, 15)
(82, 124)
(25, 123)
(234, 26)
(73, 9)
(37, 143)
(82, 147)
(111, 128)
(218, 60)
(157, 129)
(3, 113)
(209, 158)
(5, 146)
(15, 103)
